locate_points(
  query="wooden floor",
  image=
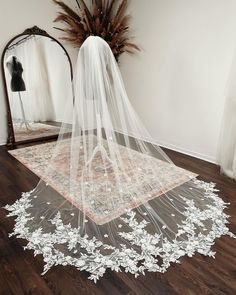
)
(20, 270)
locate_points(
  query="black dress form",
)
(17, 82)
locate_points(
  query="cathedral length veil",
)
(110, 198)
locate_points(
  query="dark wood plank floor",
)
(20, 270)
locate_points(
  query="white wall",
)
(16, 16)
(177, 82)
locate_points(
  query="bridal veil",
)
(110, 198)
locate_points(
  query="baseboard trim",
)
(177, 149)
(3, 143)
(188, 152)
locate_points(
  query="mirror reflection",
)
(38, 78)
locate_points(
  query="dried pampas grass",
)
(105, 18)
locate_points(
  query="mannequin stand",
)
(24, 121)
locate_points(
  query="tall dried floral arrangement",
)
(104, 18)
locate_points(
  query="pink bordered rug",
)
(143, 178)
(36, 130)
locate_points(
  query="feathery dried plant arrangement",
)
(105, 18)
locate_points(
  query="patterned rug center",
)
(107, 192)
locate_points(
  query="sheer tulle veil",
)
(110, 198)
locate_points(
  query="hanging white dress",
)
(110, 198)
(227, 141)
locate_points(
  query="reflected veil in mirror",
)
(38, 77)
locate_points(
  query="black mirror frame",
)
(11, 143)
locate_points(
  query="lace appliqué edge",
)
(125, 258)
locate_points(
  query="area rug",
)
(37, 130)
(100, 191)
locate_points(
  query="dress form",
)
(17, 84)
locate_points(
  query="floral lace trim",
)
(125, 258)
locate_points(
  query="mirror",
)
(37, 73)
